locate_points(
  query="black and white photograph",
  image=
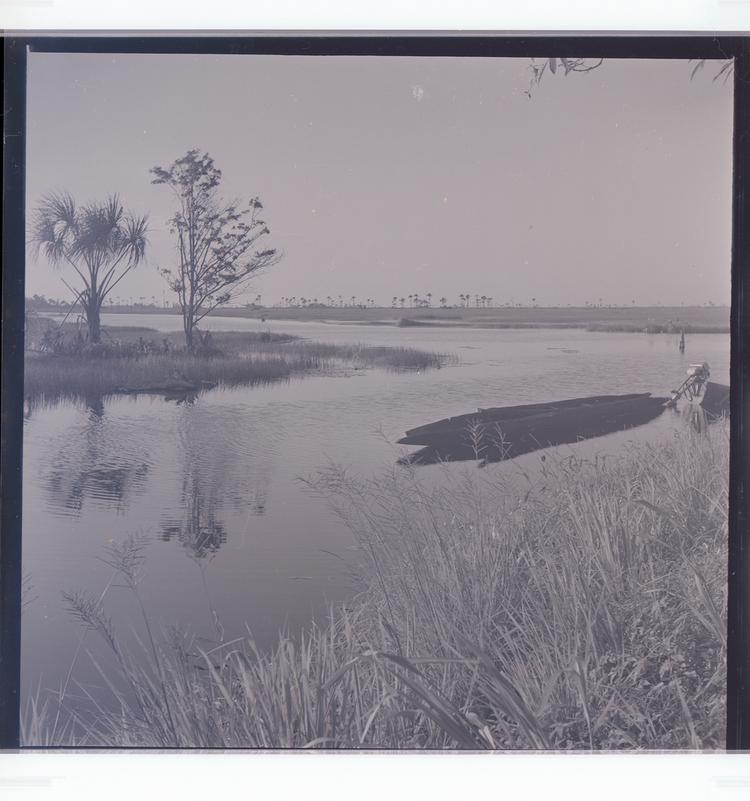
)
(376, 402)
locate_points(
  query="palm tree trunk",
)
(94, 323)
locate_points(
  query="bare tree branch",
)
(539, 67)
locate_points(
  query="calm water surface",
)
(215, 491)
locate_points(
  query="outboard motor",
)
(697, 376)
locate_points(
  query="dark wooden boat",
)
(415, 436)
(491, 435)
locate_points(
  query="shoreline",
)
(634, 319)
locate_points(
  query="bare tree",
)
(100, 241)
(217, 241)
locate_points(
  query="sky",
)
(392, 176)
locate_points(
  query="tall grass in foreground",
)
(585, 612)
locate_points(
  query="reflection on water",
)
(97, 460)
(95, 405)
(205, 468)
(105, 482)
(218, 479)
(199, 531)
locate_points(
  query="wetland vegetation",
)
(60, 363)
(586, 612)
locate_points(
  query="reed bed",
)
(52, 378)
(129, 360)
(658, 328)
(586, 610)
(388, 358)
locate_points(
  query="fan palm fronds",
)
(100, 241)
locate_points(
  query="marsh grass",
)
(586, 610)
(135, 359)
(600, 597)
(387, 358)
(506, 316)
(658, 328)
(57, 377)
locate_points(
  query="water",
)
(215, 491)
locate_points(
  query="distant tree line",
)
(39, 303)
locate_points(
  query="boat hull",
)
(493, 435)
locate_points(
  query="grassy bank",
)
(129, 360)
(659, 319)
(652, 327)
(663, 319)
(585, 611)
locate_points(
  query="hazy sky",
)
(388, 176)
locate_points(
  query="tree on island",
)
(217, 241)
(100, 241)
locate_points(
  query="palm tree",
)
(100, 241)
